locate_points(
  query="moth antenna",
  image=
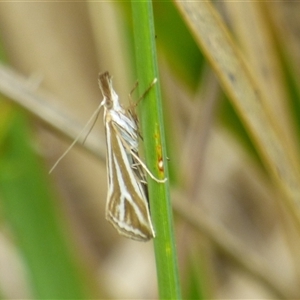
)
(95, 120)
(96, 113)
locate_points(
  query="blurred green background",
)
(54, 240)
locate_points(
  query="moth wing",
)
(127, 206)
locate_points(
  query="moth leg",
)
(132, 152)
(131, 92)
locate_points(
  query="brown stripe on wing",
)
(136, 223)
(130, 226)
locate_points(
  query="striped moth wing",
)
(127, 205)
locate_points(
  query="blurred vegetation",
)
(230, 85)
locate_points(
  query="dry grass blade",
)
(250, 25)
(239, 83)
(21, 91)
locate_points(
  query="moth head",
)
(110, 96)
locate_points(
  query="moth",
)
(127, 206)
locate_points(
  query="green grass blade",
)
(154, 142)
